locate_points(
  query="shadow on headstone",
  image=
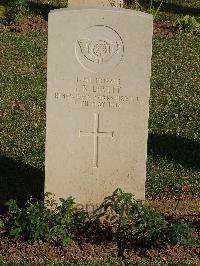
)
(177, 149)
(19, 181)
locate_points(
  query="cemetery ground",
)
(173, 165)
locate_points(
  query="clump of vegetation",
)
(188, 24)
(14, 10)
(47, 221)
(183, 234)
(133, 219)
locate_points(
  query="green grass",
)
(174, 124)
(23, 90)
(174, 135)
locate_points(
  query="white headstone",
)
(97, 102)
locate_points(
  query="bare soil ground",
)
(185, 208)
(15, 250)
(27, 24)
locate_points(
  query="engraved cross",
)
(96, 134)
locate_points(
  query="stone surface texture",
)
(97, 102)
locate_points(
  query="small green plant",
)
(154, 11)
(133, 220)
(183, 234)
(2, 12)
(14, 10)
(1, 223)
(188, 24)
(50, 222)
(135, 4)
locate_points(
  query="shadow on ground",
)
(177, 149)
(37, 8)
(171, 7)
(19, 181)
(41, 9)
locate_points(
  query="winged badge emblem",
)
(98, 51)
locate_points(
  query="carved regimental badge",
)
(99, 49)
